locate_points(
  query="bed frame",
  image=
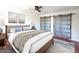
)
(46, 46)
(42, 49)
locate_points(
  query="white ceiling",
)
(46, 9)
(51, 9)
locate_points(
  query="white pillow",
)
(12, 30)
(26, 28)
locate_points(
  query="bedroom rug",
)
(61, 47)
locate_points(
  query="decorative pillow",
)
(13, 30)
(26, 28)
(18, 29)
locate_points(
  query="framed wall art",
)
(21, 19)
(16, 18)
(12, 17)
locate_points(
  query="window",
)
(45, 23)
(62, 26)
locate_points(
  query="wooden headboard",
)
(8, 27)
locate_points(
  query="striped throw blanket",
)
(20, 40)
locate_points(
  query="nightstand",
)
(2, 39)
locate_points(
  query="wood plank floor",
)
(6, 49)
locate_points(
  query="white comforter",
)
(34, 43)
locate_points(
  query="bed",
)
(29, 41)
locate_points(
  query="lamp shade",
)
(1, 30)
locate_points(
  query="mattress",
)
(35, 47)
(34, 43)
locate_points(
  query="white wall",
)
(3, 17)
(52, 24)
(75, 26)
(34, 18)
(75, 22)
(31, 17)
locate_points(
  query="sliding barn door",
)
(62, 26)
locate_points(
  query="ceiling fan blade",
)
(38, 8)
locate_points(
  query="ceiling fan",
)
(36, 8)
